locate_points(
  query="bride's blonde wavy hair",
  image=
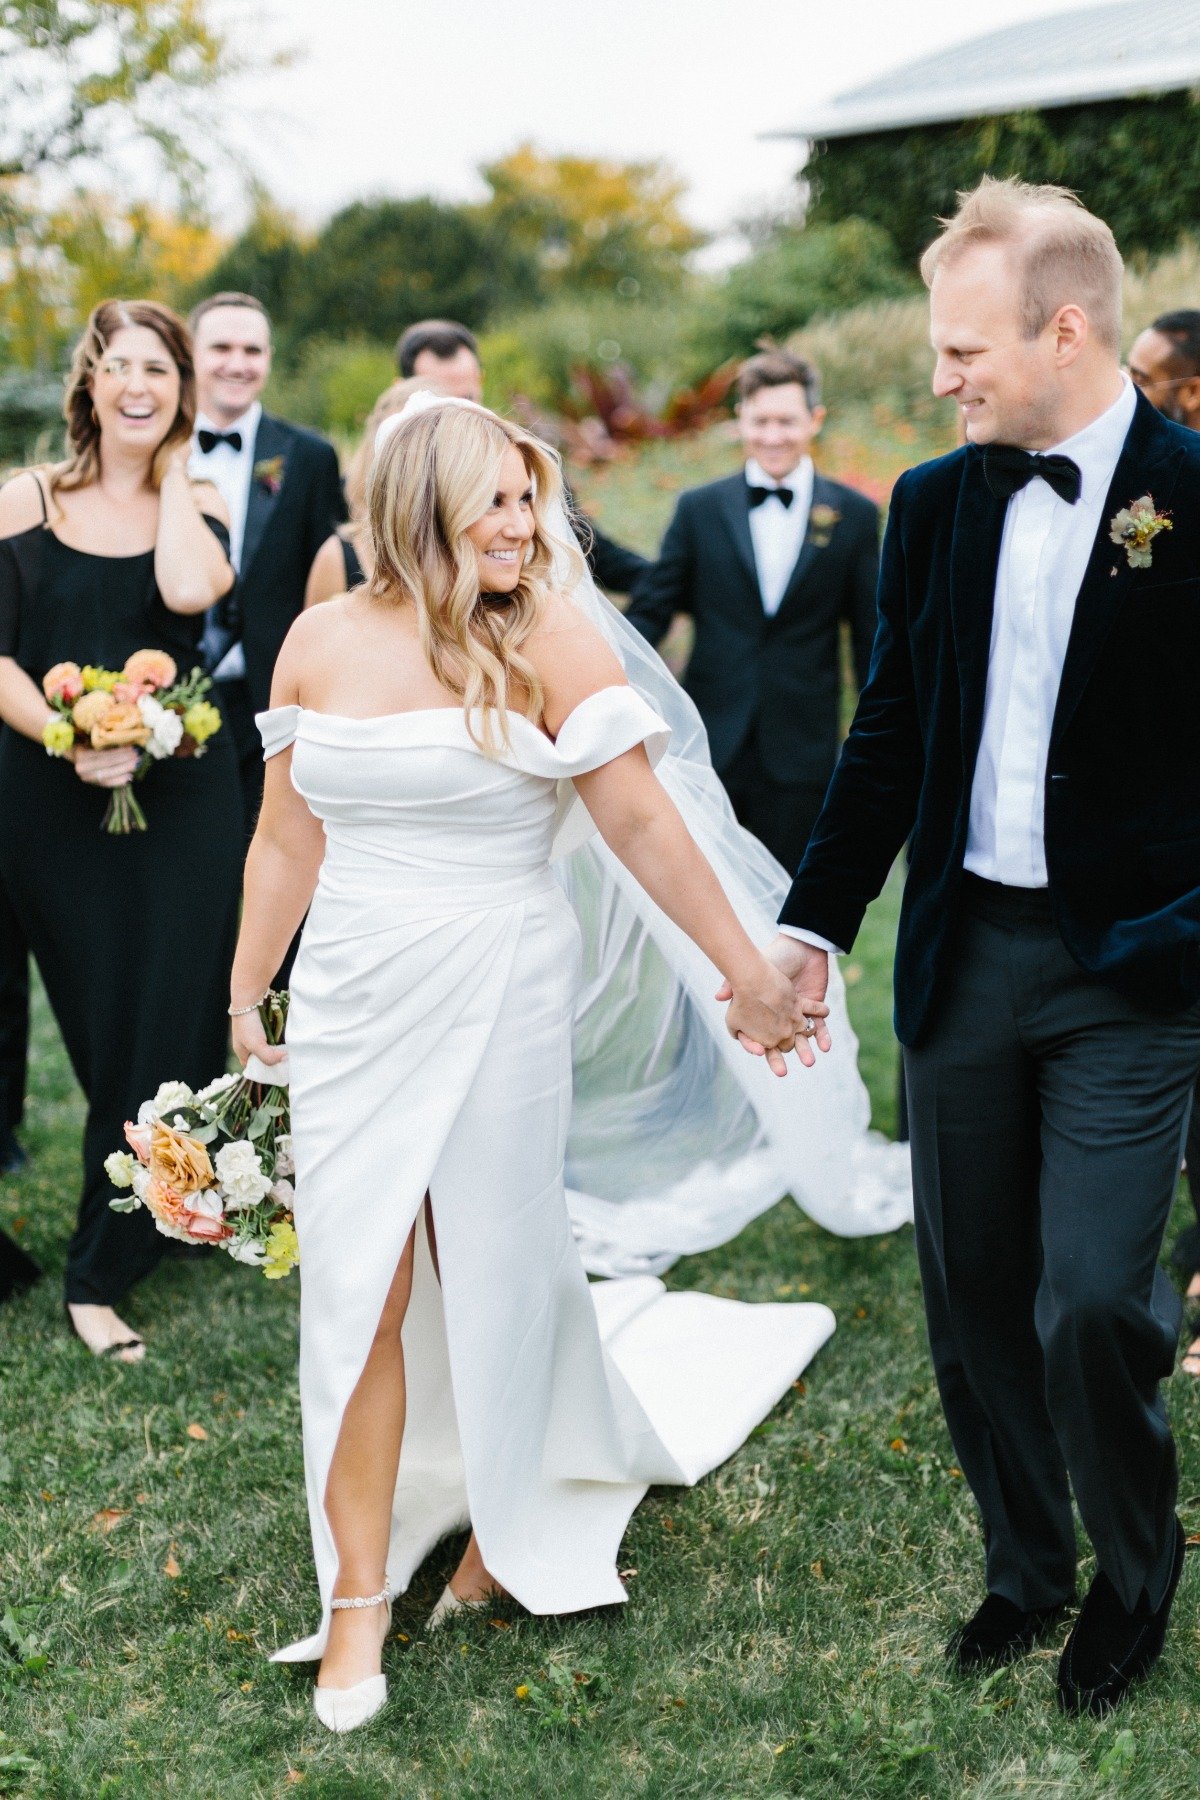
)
(434, 477)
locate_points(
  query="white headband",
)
(420, 402)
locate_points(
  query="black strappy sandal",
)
(130, 1343)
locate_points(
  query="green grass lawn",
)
(786, 1617)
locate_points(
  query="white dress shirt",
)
(1044, 554)
(777, 531)
(230, 472)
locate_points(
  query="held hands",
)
(769, 1005)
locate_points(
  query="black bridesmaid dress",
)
(355, 573)
(133, 936)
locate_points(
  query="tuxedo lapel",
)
(735, 509)
(271, 440)
(974, 560)
(1149, 464)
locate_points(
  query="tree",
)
(378, 265)
(592, 226)
(267, 260)
(796, 275)
(81, 79)
(1134, 162)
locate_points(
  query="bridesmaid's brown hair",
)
(82, 466)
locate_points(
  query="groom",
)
(1030, 722)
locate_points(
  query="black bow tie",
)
(1007, 470)
(208, 440)
(759, 494)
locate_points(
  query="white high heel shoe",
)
(450, 1603)
(344, 1709)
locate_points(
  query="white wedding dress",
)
(430, 1037)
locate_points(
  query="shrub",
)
(333, 385)
(533, 353)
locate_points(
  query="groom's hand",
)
(807, 968)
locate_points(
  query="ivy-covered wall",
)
(1134, 162)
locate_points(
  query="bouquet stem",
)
(124, 814)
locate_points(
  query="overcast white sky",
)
(409, 96)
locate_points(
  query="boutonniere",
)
(269, 473)
(1136, 526)
(821, 521)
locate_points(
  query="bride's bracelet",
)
(243, 1012)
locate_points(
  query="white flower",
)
(216, 1087)
(170, 1093)
(207, 1203)
(166, 727)
(120, 1168)
(140, 1182)
(285, 1161)
(241, 1175)
(247, 1251)
(284, 1194)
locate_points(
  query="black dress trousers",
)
(1047, 1116)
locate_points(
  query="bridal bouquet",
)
(214, 1167)
(144, 704)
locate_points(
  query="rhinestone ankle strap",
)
(384, 1598)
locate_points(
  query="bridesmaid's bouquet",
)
(144, 704)
(214, 1167)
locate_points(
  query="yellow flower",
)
(101, 681)
(200, 721)
(58, 735)
(523, 1692)
(283, 1250)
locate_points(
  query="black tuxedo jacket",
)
(1122, 831)
(284, 530)
(781, 674)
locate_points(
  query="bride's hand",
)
(762, 1012)
(807, 970)
(249, 1039)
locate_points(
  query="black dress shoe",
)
(1110, 1647)
(12, 1156)
(999, 1633)
(17, 1270)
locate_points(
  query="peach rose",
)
(138, 1139)
(89, 711)
(123, 724)
(178, 1220)
(150, 669)
(178, 1161)
(63, 682)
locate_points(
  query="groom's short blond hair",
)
(1065, 255)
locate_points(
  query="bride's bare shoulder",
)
(572, 658)
(317, 635)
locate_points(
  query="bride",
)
(430, 741)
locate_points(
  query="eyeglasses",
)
(1141, 380)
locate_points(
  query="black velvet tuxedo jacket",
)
(293, 507)
(1122, 831)
(781, 673)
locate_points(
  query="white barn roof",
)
(1093, 53)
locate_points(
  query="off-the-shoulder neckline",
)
(424, 712)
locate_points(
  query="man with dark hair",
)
(769, 563)
(446, 355)
(1165, 364)
(283, 489)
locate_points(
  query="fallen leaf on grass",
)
(171, 1568)
(141, 1499)
(801, 1387)
(239, 1637)
(295, 1775)
(246, 1686)
(109, 1517)
(198, 1432)
(899, 1445)
(499, 1624)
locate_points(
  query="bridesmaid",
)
(344, 560)
(110, 551)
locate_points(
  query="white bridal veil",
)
(678, 1138)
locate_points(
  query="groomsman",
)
(769, 563)
(283, 489)
(446, 354)
(1030, 723)
(1165, 364)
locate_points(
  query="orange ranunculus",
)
(138, 1139)
(179, 1161)
(63, 682)
(122, 725)
(89, 711)
(150, 669)
(178, 1220)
